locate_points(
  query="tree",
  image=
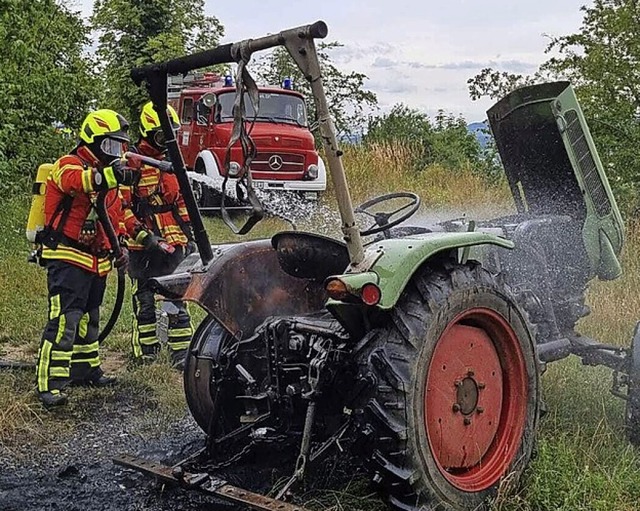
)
(602, 60)
(138, 32)
(348, 99)
(45, 79)
(443, 141)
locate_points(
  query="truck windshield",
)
(274, 107)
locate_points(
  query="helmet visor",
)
(113, 147)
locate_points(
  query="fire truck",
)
(286, 160)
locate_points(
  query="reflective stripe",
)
(112, 182)
(59, 372)
(87, 180)
(83, 326)
(92, 361)
(86, 348)
(43, 366)
(62, 324)
(151, 327)
(54, 307)
(56, 172)
(148, 341)
(71, 254)
(180, 332)
(148, 181)
(177, 346)
(60, 355)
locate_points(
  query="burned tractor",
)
(420, 352)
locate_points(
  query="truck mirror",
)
(203, 111)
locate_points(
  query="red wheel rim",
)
(476, 399)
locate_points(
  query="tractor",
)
(419, 351)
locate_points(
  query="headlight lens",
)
(312, 172)
(234, 169)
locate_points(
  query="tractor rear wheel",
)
(455, 395)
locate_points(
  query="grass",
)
(583, 461)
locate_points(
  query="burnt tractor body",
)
(420, 351)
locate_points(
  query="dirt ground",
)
(78, 474)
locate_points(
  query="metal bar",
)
(205, 483)
(554, 350)
(303, 52)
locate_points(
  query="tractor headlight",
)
(234, 169)
(312, 172)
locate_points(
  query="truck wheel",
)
(632, 412)
(455, 392)
(208, 390)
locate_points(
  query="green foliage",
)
(44, 78)
(444, 141)
(347, 98)
(138, 32)
(601, 60)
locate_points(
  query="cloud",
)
(354, 51)
(517, 66)
(391, 86)
(384, 62)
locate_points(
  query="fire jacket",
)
(69, 199)
(155, 204)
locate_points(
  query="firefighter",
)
(159, 227)
(75, 252)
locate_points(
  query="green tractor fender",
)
(390, 263)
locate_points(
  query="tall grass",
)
(388, 167)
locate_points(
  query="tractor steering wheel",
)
(382, 219)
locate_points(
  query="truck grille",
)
(591, 176)
(277, 162)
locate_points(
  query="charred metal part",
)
(205, 483)
(594, 353)
(310, 256)
(245, 285)
(554, 350)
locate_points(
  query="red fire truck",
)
(286, 159)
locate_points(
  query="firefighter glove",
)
(123, 260)
(152, 242)
(117, 173)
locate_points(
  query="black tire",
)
(440, 307)
(632, 411)
(210, 397)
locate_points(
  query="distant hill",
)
(481, 131)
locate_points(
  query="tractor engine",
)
(261, 387)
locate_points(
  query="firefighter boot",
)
(97, 378)
(52, 399)
(178, 358)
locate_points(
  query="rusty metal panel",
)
(245, 284)
(205, 483)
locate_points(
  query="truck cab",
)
(286, 157)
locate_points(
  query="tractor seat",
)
(310, 256)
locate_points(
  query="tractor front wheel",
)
(455, 397)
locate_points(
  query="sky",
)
(417, 52)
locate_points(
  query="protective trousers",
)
(69, 346)
(144, 265)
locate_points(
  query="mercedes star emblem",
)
(275, 162)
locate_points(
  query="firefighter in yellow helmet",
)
(159, 227)
(75, 251)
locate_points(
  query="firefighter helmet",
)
(104, 132)
(150, 124)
